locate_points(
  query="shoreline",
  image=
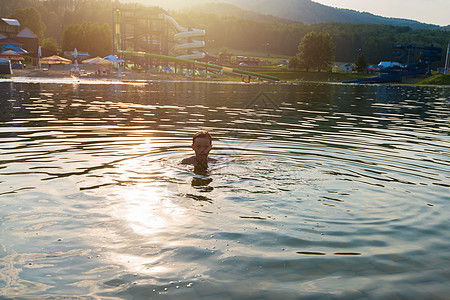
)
(64, 73)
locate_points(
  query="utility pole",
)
(446, 59)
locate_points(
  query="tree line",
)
(65, 24)
(351, 40)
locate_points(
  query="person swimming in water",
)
(202, 145)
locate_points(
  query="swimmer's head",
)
(202, 144)
(202, 134)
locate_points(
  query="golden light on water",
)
(144, 212)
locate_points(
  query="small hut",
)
(5, 67)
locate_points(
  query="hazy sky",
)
(428, 11)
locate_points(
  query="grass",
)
(440, 79)
(285, 75)
(262, 55)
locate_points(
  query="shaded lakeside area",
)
(89, 71)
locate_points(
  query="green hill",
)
(305, 11)
(310, 12)
(225, 9)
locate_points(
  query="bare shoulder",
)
(213, 160)
(192, 161)
(189, 160)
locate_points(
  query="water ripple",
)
(320, 189)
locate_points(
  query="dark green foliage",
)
(87, 37)
(225, 9)
(311, 12)
(294, 62)
(245, 30)
(316, 50)
(50, 44)
(31, 18)
(58, 14)
(7, 7)
(361, 63)
(439, 79)
(375, 41)
(306, 11)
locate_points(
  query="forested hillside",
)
(310, 12)
(305, 11)
(239, 29)
(225, 9)
(374, 41)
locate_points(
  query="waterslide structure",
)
(198, 63)
(186, 51)
(185, 39)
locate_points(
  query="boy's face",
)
(201, 147)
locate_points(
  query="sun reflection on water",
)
(143, 215)
(147, 210)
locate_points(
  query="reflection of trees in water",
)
(9, 97)
(14, 99)
(414, 103)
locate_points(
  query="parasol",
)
(39, 56)
(114, 59)
(11, 55)
(75, 56)
(15, 49)
(55, 59)
(97, 61)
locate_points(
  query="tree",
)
(31, 18)
(91, 38)
(293, 63)
(316, 50)
(361, 63)
(50, 44)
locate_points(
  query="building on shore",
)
(12, 34)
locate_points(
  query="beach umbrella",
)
(15, 48)
(11, 55)
(55, 59)
(114, 59)
(167, 69)
(39, 56)
(97, 61)
(75, 56)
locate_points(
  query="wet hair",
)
(202, 134)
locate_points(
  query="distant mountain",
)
(225, 9)
(305, 11)
(308, 11)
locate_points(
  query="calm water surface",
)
(321, 191)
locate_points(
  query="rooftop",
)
(11, 22)
(26, 33)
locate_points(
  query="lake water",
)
(321, 191)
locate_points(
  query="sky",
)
(427, 11)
